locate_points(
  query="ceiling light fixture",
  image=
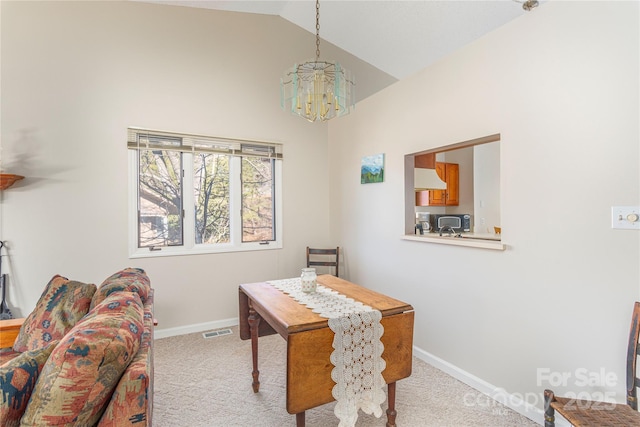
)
(528, 4)
(317, 90)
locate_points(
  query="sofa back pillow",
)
(82, 371)
(18, 378)
(62, 303)
(130, 280)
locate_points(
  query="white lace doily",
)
(357, 354)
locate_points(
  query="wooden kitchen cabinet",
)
(449, 173)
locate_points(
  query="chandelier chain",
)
(317, 90)
(317, 30)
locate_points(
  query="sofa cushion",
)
(130, 279)
(132, 400)
(82, 371)
(17, 380)
(62, 303)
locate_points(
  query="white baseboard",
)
(198, 327)
(512, 401)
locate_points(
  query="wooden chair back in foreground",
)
(596, 413)
(324, 257)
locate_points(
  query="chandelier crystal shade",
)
(317, 90)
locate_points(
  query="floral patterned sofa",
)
(83, 357)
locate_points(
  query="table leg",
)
(254, 323)
(391, 411)
(300, 419)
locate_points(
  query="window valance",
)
(146, 139)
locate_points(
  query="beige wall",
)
(75, 75)
(560, 84)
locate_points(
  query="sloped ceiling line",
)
(399, 37)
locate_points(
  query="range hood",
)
(427, 179)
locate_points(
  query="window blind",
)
(146, 139)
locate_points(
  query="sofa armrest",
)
(9, 330)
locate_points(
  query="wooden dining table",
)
(265, 310)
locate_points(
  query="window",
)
(196, 194)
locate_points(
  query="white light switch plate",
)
(625, 217)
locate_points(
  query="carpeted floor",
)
(207, 383)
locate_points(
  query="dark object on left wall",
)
(5, 313)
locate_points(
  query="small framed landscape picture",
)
(372, 169)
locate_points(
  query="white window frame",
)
(189, 246)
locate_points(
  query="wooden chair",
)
(320, 257)
(595, 413)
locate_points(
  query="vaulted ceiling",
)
(398, 37)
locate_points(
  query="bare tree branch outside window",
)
(257, 199)
(211, 190)
(160, 198)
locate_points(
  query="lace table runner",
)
(357, 354)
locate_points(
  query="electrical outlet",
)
(625, 217)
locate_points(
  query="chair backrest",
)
(324, 257)
(632, 358)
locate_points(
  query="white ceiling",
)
(399, 37)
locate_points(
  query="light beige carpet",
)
(207, 383)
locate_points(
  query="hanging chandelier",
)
(317, 90)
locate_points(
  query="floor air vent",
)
(218, 333)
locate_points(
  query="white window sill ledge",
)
(456, 241)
